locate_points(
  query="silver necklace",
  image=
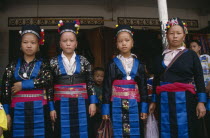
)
(128, 77)
(26, 70)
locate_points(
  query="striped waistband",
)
(125, 91)
(70, 91)
(28, 95)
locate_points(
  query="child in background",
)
(150, 78)
(98, 76)
(3, 121)
(98, 79)
(149, 87)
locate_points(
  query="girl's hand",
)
(9, 122)
(92, 109)
(105, 117)
(53, 115)
(200, 110)
(152, 107)
(17, 87)
(143, 116)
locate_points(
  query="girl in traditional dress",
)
(27, 88)
(125, 89)
(73, 86)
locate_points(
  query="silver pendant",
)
(25, 75)
(128, 77)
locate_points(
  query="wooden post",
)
(163, 17)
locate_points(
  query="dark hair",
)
(98, 69)
(196, 41)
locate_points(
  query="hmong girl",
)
(27, 88)
(125, 89)
(179, 105)
(73, 86)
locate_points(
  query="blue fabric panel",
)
(39, 127)
(27, 84)
(182, 121)
(134, 68)
(77, 86)
(36, 70)
(132, 86)
(34, 73)
(134, 118)
(61, 66)
(16, 74)
(64, 117)
(117, 117)
(78, 65)
(164, 116)
(18, 121)
(164, 83)
(120, 66)
(83, 130)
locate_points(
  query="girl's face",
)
(175, 36)
(195, 47)
(68, 42)
(124, 42)
(30, 44)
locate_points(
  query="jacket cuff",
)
(51, 105)
(93, 99)
(208, 105)
(105, 109)
(202, 97)
(6, 108)
(27, 84)
(154, 98)
(144, 107)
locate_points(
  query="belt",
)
(29, 95)
(70, 92)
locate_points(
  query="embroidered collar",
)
(169, 50)
(131, 56)
(24, 61)
(64, 56)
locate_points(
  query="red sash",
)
(176, 87)
(125, 89)
(28, 96)
(70, 91)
